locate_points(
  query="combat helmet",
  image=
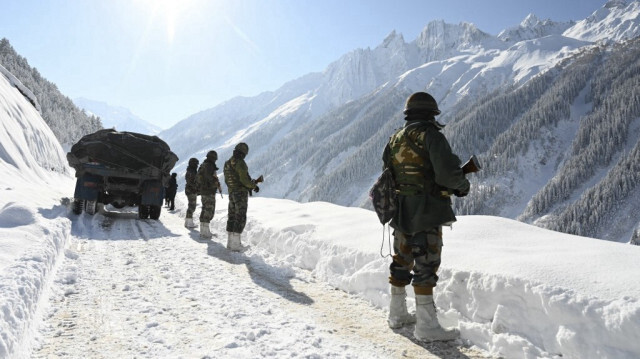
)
(421, 102)
(243, 148)
(212, 155)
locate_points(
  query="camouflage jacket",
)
(236, 175)
(207, 178)
(421, 179)
(191, 185)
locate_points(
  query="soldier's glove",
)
(460, 193)
(257, 189)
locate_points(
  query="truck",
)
(120, 169)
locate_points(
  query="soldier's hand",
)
(257, 189)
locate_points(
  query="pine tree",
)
(65, 119)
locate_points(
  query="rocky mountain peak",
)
(394, 39)
(530, 21)
(615, 4)
(532, 27)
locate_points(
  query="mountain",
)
(533, 28)
(65, 119)
(530, 96)
(564, 152)
(120, 118)
(616, 21)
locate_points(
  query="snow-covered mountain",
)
(320, 137)
(120, 118)
(616, 21)
(533, 28)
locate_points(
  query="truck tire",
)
(154, 212)
(90, 207)
(143, 211)
(78, 204)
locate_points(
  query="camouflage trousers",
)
(238, 203)
(208, 207)
(420, 254)
(192, 198)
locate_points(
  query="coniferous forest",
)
(65, 119)
(591, 181)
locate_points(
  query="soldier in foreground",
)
(208, 185)
(426, 172)
(191, 191)
(239, 184)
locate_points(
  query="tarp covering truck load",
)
(121, 169)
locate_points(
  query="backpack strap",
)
(430, 184)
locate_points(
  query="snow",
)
(312, 283)
(616, 21)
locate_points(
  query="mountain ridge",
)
(320, 137)
(118, 117)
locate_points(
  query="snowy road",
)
(142, 288)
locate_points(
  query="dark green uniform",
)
(422, 174)
(239, 183)
(191, 188)
(208, 184)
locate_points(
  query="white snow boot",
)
(188, 222)
(205, 232)
(398, 314)
(428, 328)
(230, 239)
(234, 243)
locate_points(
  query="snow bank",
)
(32, 238)
(34, 227)
(516, 290)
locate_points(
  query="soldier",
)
(239, 184)
(172, 190)
(426, 171)
(208, 184)
(191, 191)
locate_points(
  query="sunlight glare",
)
(168, 11)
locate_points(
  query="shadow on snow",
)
(269, 277)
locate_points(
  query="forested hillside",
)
(549, 107)
(563, 151)
(65, 119)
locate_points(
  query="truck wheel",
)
(154, 212)
(90, 207)
(143, 212)
(77, 206)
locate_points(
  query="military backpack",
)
(384, 196)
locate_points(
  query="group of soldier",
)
(426, 173)
(203, 181)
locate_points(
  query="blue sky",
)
(168, 59)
